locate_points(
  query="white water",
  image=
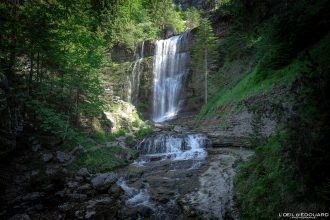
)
(169, 71)
(134, 78)
(135, 196)
(175, 147)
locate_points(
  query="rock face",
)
(214, 197)
(123, 115)
(192, 89)
(234, 128)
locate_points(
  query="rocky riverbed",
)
(184, 189)
(185, 178)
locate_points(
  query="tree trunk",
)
(30, 74)
(206, 75)
(38, 67)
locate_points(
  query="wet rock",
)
(62, 157)
(72, 184)
(89, 214)
(103, 180)
(179, 129)
(52, 169)
(144, 211)
(92, 204)
(115, 191)
(83, 172)
(214, 196)
(36, 147)
(85, 187)
(65, 207)
(162, 194)
(77, 196)
(33, 209)
(156, 130)
(47, 157)
(79, 178)
(21, 168)
(20, 217)
(33, 196)
(79, 214)
(60, 193)
(136, 212)
(49, 187)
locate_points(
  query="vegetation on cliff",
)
(268, 46)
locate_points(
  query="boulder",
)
(33, 196)
(47, 157)
(62, 157)
(85, 187)
(83, 172)
(36, 147)
(20, 217)
(103, 180)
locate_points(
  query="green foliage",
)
(256, 136)
(138, 20)
(308, 130)
(164, 15)
(204, 46)
(102, 159)
(120, 132)
(204, 52)
(192, 18)
(265, 184)
(55, 123)
(129, 140)
(287, 173)
(143, 132)
(249, 86)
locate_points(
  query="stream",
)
(180, 176)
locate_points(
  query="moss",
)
(249, 86)
(102, 159)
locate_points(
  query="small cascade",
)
(135, 196)
(175, 147)
(170, 67)
(134, 77)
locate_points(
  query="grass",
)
(143, 132)
(102, 159)
(247, 87)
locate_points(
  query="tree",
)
(204, 51)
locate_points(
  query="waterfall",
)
(175, 147)
(134, 78)
(169, 71)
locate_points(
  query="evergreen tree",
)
(204, 51)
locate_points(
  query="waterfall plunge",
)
(134, 78)
(169, 70)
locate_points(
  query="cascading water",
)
(134, 78)
(169, 71)
(175, 147)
